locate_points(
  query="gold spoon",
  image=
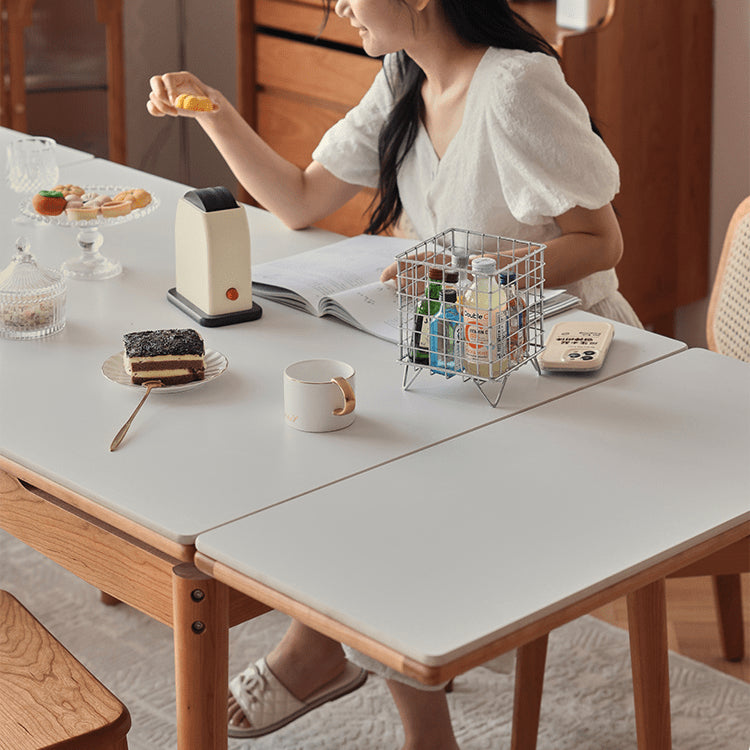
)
(149, 385)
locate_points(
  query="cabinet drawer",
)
(315, 72)
(293, 128)
(305, 18)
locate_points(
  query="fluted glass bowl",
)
(32, 298)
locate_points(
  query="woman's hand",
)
(166, 88)
(389, 273)
(411, 271)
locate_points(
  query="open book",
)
(342, 280)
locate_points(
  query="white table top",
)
(446, 550)
(201, 458)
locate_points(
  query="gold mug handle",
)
(349, 400)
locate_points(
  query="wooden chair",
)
(728, 320)
(728, 333)
(15, 16)
(47, 698)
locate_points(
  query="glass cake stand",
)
(91, 264)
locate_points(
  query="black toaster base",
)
(212, 321)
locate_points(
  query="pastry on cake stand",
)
(91, 264)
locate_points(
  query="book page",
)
(372, 308)
(342, 280)
(326, 271)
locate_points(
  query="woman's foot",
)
(303, 662)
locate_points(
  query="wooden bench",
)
(47, 698)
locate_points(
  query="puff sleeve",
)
(547, 156)
(349, 149)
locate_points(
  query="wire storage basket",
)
(470, 306)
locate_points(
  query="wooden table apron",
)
(646, 603)
(433, 675)
(151, 573)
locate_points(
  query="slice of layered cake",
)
(173, 356)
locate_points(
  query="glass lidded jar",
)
(32, 298)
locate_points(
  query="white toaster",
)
(212, 259)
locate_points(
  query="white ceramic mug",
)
(319, 395)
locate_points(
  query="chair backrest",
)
(728, 321)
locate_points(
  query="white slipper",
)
(268, 705)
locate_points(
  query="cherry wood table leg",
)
(647, 623)
(108, 600)
(728, 594)
(201, 640)
(527, 699)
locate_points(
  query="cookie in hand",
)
(194, 103)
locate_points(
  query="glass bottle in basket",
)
(514, 314)
(427, 308)
(445, 331)
(481, 318)
(460, 263)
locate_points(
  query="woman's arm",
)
(590, 241)
(299, 197)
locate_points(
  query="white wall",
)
(730, 168)
(170, 147)
(181, 151)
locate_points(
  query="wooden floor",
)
(692, 624)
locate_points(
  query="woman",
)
(469, 124)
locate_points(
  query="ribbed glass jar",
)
(32, 298)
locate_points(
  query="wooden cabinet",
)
(645, 74)
(300, 86)
(64, 97)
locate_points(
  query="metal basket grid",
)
(517, 328)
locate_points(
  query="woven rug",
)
(587, 702)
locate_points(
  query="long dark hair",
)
(489, 23)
